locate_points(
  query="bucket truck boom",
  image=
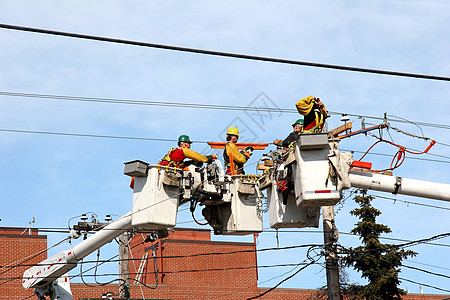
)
(42, 275)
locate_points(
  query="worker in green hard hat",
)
(176, 156)
(293, 136)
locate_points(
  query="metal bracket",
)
(398, 183)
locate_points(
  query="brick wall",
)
(231, 269)
(181, 259)
(17, 252)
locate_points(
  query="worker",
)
(238, 158)
(293, 136)
(176, 156)
(314, 113)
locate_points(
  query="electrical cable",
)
(266, 249)
(16, 265)
(425, 271)
(91, 285)
(409, 202)
(110, 259)
(217, 269)
(203, 270)
(284, 280)
(223, 54)
(140, 286)
(428, 265)
(295, 266)
(205, 106)
(424, 284)
(404, 245)
(88, 135)
(409, 157)
(149, 103)
(350, 234)
(191, 255)
(413, 123)
(174, 140)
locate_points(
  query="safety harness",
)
(316, 125)
(170, 162)
(232, 167)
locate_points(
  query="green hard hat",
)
(184, 138)
(299, 121)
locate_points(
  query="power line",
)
(411, 202)
(428, 265)
(394, 246)
(284, 280)
(223, 54)
(409, 157)
(174, 140)
(424, 284)
(179, 256)
(147, 103)
(395, 119)
(405, 243)
(354, 235)
(202, 106)
(189, 270)
(425, 271)
(88, 135)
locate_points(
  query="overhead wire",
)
(312, 261)
(424, 284)
(16, 264)
(99, 262)
(410, 202)
(425, 271)
(206, 106)
(203, 270)
(295, 266)
(404, 244)
(130, 250)
(409, 157)
(428, 265)
(196, 141)
(232, 268)
(237, 56)
(223, 54)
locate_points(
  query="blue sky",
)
(54, 178)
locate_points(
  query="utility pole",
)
(330, 237)
(124, 269)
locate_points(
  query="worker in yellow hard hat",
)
(176, 156)
(235, 159)
(315, 114)
(293, 136)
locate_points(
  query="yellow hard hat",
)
(233, 131)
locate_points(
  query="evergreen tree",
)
(378, 263)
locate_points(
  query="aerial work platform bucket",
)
(283, 209)
(243, 215)
(313, 186)
(289, 215)
(155, 195)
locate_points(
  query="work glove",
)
(210, 158)
(278, 142)
(249, 149)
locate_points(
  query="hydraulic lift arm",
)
(43, 274)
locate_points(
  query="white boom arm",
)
(404, 186)
(52, 268)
